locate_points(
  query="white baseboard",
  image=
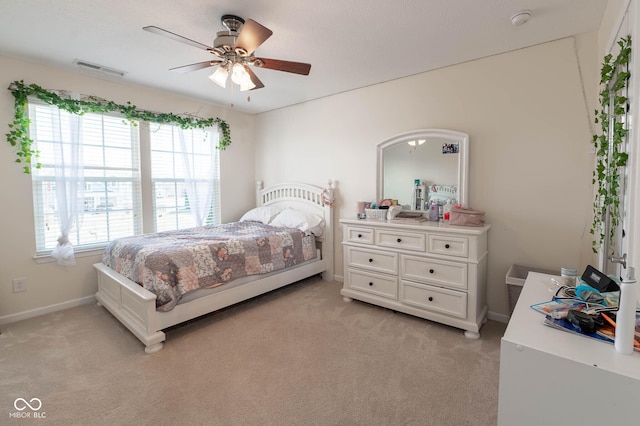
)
(7, 319)
(338, 278)
(498, 317)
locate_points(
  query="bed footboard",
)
(132, 305)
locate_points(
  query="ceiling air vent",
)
(100, 69)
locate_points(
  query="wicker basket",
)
(377, 214)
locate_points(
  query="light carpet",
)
(297, 356)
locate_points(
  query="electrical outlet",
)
(19, 284)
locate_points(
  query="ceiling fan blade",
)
(252, 35)
(254, 78)
(176, 37)
(194, 67)
(286, 66)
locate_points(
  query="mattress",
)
(174, 263)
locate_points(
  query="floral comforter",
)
(171, 264)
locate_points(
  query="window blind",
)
(185, 176)
(111, 189)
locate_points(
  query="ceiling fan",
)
(234, 50)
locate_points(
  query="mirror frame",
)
(462, 139)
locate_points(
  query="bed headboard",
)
(443, 193)
(309, 198)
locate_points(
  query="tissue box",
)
(466, 217)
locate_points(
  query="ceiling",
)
(350, 44)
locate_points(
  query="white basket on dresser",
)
(427, 269)
(376, 214)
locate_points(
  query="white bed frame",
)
(135, 307)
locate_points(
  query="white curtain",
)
(69, 173)
(199, 160)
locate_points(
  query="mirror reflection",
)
(423, 165)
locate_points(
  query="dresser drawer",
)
(359, 235)
(401, 240)
(448, 302)
(432, 271)
(452, 246)
(380, 285)
(372, 260)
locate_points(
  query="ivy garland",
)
(614, 76)
(19, 129)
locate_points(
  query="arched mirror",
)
(431, 163)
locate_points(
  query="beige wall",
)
(48, 283)
(530, 127)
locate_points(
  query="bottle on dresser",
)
(434, 211)
(446, 211)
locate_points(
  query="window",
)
(110, 189)
(185, 178)
(111, 206)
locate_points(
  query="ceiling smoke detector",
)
(520, 18)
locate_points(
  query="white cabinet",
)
(551, 377)
(428, 269)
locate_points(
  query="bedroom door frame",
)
(629, 243)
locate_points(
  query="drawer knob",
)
(399, 240)
(370, 260)
(431, 271)
(430, 298)
(447, 246)
(370, 283)
(359, 235)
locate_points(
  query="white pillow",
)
(304, 221)
(264, 214)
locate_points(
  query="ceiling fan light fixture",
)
(219, 76)
(234, 50)
(238, 74)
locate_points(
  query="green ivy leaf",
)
(614, 77)
(20, 125)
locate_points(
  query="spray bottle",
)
(446, 211)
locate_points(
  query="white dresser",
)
(428, 269)
(551, 377)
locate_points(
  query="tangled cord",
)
(592, 300)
